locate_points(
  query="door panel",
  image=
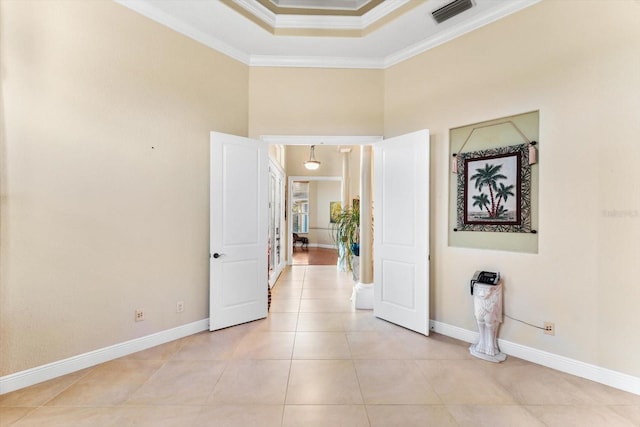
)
(401, 231)
(239, 233)
(402, 294)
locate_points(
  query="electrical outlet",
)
(139, 315)
(549, 328)
(179, 306)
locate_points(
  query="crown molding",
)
(258, 10)
(325, 4)
(319, 22)
(145, 9)
(315, 62)
(320, 139)
(464, 27)
(386, 8)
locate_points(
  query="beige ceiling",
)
(320, 33)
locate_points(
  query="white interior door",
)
(401, 231)
(238, 268)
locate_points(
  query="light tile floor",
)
(315, 361)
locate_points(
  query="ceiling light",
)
(312, 164)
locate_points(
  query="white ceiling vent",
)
(451, 9)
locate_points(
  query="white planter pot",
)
(342, 258)
(363, 296)
(355, 268)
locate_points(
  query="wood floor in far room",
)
(315, 256)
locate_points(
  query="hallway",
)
(315, 361)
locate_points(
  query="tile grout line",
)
(295, 334)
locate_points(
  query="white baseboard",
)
(52, 370)
(327, 246)
(591, 372)
(320, 245)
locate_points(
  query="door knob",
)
(217, 255)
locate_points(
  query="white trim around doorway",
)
(320, 139)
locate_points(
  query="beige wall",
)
(580, 68)
(305, 101)
(326, 192)
(105, 194)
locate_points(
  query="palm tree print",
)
(503, 193)
(482, 201)
(488, 177)
(494, 190)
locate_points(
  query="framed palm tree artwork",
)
(494, 190)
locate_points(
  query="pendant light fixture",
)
(312, 164)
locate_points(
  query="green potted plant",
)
(346, 233)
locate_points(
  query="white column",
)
(343, 265)
(346, 178)
(366, 231)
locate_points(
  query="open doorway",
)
(311, 201)
(239, 197)
(339, 157)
